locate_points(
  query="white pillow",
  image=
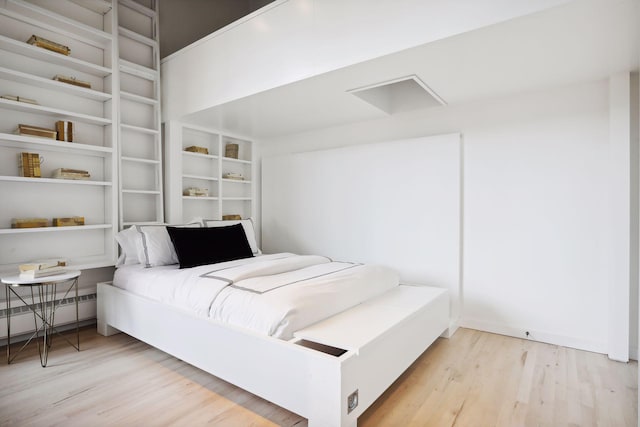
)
(154, 246)
(127, 239)
(247, 224)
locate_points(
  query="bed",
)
(318, 337)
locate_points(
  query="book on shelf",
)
(36, 131)
(231, 217)
(233, 175)
(66, 173)
(29, 222)
(72, 81)
(19, 99)
(29, 165)
(68, 222)
(196, 192)
(49, 45)
(65, 130)
(196, 149)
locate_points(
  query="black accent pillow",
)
(200, 246)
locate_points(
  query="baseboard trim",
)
(535, 335)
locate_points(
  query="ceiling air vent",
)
(399, 95)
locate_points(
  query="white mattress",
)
(274, 294)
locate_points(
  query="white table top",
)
(16, 280)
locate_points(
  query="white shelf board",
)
(140, 129)
(55, 181)
(202, 177)
(49, 20)
(236, 181)
(239, 199)
(137, 98)
(140, 160)
(98, 6)
(199, 198)
(138, 70)
(130, 223)
(138, 7)
(229, 159)
(31, 80)
(152, 192)
(125, 32)
(25, 49)
(200, 155)
(53, 112)
(54, 229)
(21, 141)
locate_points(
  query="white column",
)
(620, 205)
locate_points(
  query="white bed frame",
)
(379, 340)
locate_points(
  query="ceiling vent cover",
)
(399, 95)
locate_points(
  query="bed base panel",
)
(310, 383)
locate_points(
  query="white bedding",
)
(271, 294)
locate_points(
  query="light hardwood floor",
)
(473, 379)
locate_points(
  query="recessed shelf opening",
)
(399, 95)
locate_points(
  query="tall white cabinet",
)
(116, 126)
(227, 182)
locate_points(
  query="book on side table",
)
(36, 270)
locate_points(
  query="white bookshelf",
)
(186, 169)
(27, 71)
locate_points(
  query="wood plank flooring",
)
(473, 379)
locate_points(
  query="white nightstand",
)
(44, 308)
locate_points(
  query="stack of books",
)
(19, 99)
(233, 175)
(66, 173)
(36, 131)
(65, 131)
(72, 81)
(41, 269)
(68, 222)
(29, 165)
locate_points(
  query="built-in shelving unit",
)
(140, 150)
(116, 126)
(187, 169)
(27, 71)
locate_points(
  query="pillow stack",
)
(188, 245)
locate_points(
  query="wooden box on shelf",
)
(36, 131)
(29, 222)
(196, 149)
(49, 45)
(68, 222)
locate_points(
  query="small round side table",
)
(44, 309)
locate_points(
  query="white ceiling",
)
(582, 41)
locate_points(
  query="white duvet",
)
(274, 294)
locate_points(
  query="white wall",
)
(396, 204)
(537, 230)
